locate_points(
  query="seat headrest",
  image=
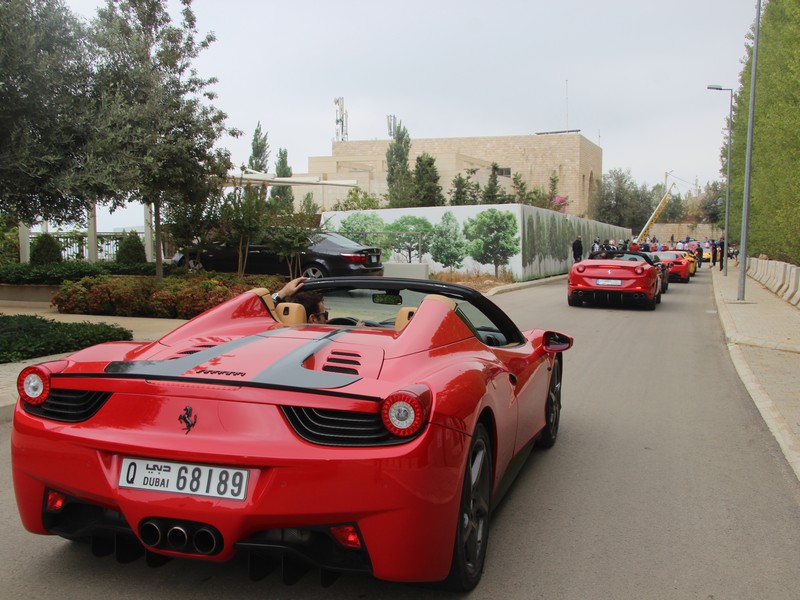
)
(404, 315)
(291, 313)
(443, 299)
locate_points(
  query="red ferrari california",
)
(375, 443)
(617, 276)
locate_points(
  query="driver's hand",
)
(291, 288)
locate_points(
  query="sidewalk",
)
(762, 334)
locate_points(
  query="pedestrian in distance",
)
(713, 253)
(577, 249)
(721, 246)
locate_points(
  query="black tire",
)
(314, 271)
(574, 301)
(552, 408)
(472, 529)
(650, 304)
(658, 298)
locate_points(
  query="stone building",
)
(574, 159)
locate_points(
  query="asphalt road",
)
(664, 483)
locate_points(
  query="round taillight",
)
(580, 268)
(33, 384)
(639, 270)
(405, 412)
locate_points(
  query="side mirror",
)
(552, 341)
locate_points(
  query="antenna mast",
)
(341, 120)
(391, 123)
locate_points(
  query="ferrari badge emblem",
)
(187, 419)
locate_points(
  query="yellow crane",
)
(654, 217)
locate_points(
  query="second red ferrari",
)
(615, 277)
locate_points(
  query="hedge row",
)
(179, 297)
(28, 336)
(72, 270)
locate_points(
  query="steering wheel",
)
(352, 321)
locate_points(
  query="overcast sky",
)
(631, 75)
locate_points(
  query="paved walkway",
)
(762, 333)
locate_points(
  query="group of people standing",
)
(717, 248)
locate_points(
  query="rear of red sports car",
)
(679, 266)
(338, 447)
(195, 467)
(625, 278)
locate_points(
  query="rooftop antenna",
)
(341, 120)
(391, 123)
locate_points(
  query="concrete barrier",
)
(792, 283)
(784, 282)
(410, 270)
(781, 278)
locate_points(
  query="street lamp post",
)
(724, 256)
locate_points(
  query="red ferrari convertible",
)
(617, 276)
(375, 443)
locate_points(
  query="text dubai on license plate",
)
(183, 478)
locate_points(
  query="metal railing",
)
(74, 245)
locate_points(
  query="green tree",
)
(308, 206)
(357, 199)
(282, 196)
(492, 236)
(492, 192)
(191, 219)
(131, 250)
(45, 82)
(519, 190)
(448, 244)
(367, 228)
(427, 191)
(45, 250)
(619, 201)
(459, 191)
(410, 236)
(287, 235)
(398, 175)
(259, 150)
(675, 211)
(156, 122)
(774, 213)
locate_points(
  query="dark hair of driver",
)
(309, 300)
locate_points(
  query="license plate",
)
(609, 282)
(184, 478)
(373, 259)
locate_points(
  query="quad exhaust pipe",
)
(180, 536)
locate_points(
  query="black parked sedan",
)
(329, 255)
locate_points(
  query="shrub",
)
(131, 250)
(45, 250)
(28, 336)
(73, 270)
(175, 297)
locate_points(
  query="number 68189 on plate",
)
(183, 478)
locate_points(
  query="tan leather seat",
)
(404, 315)
(443, 299)
(291, 313)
